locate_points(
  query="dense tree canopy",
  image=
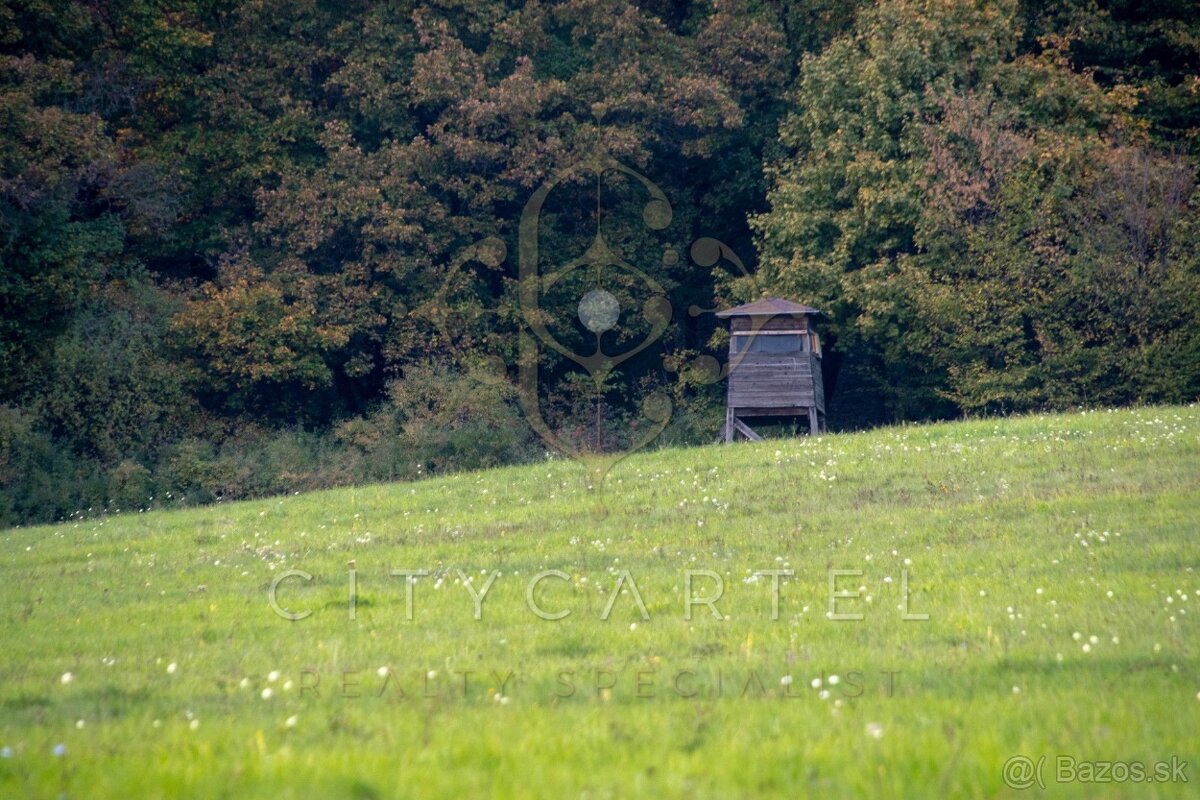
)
(229, 231)
(992, 228)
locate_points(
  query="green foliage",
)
(257, 341)
(54, 243)
(1150, 47)
(987, 227)
(436, 420)
(39, 479)
(232, 228)
(109, 389)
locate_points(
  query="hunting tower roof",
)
(769, 307)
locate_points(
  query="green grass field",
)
(1055, 557)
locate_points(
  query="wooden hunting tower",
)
(775, 366)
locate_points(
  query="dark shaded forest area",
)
(227, 228)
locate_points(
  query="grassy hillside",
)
(1055, 557)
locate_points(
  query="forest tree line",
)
(227, 228)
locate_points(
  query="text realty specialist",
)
(645, 682)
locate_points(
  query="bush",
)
(110, 390)
(439, 420)
(39, 480)
(130, 486)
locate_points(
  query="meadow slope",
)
(1055, 558)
